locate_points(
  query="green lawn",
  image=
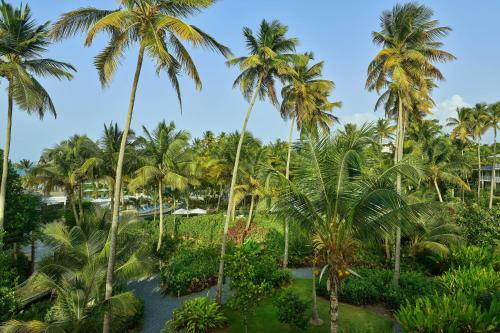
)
(352, 319)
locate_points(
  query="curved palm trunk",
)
(397, 157)
(478, 168)
(220, 277)
(493, 173)
(5, 164)
(117, 191)
(160, 199)
(250, 213)
(434, 181)
(287, 175)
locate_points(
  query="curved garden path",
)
(158, 307)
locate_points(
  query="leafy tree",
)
(405, 69)
(332, 195)
(268, 60)
(158, 28)
(21, 47)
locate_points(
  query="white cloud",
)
(358, 118)
(448, 108)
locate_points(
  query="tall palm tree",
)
(109, 144)
(405, 70)
(493, 121)
(478, 118)
(22, 45)
(268, 60)
(331, 194)
(167, 162)
(157, 27)
(305, 101)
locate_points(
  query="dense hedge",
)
(375, 286)
(192, 268)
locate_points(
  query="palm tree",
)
(405, 69)
(75, 271)
(167, 162)
(493, 121)
(332, 195)
(158, 28)
(66, 166)
(109, 144)
(384, 130)
(443, 166)
(305, 101)
(21, 47)
(461, 124)
(268, 59)
(436, 237)
(478, 118)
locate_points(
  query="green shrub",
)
(300, 250)
(375, 285)
(479, 225)
(471, 280)
(191, 269)
(448, 314)
(8, 303)
(252, 271)
(292, 309)
(199, 315)
(472, 255)
(411, 285)
(36, 311)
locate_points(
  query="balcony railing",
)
(488, 179)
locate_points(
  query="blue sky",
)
(338, 32)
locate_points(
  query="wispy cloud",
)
(448, 108)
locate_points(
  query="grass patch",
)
(352, 319)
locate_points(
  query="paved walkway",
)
(158, 307)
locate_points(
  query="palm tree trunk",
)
(287, 175)
(5, 164)
(434, 181)
(118, 183)
(111, 196)
(174, 222)
(73, 207)
(315, 319)
(160, 199)
(220, 276)
(397, 157)
(493, 173)
(219, 199)
(478, 168)
(334, 304)
(33, 252)
(249, 221)
(80, 204)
